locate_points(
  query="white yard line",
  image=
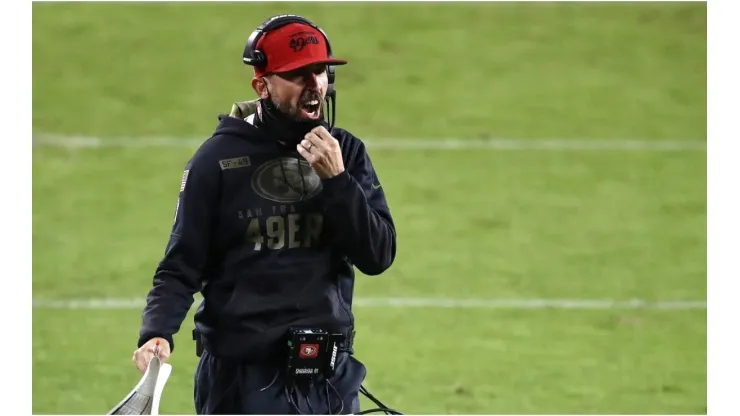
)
(365, 302)
(75, 141)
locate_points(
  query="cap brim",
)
(305, 62)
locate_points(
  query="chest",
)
(272, 201)
(268, 181)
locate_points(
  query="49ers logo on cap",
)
(309, 351)
(298, 43)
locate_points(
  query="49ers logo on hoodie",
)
(286, 180)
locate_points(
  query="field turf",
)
(548, 224)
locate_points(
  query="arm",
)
(357, 208)
(178, 275)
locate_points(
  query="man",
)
(274, 211)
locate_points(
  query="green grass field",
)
(473, 224)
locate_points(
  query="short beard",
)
(285, 108)
(290, 111)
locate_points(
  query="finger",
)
(315, 140)
(164, 356)
(312, 137)
(311, 142)
(329, 141)
(320, 144)
(142, 360)
(321, 132)
(310, 158)
(307, 144)
(164, 353)
(317, 151)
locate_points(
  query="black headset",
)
(254, 57)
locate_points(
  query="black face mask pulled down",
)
(287, 131)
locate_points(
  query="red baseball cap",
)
(293, 46)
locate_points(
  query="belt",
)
(275, 353)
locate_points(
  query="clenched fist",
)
(155, 346)
(322, 152)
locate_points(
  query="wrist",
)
(336, 183)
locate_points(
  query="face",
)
(298, 93)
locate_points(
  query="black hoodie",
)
(266, 241)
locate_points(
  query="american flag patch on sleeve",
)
(184, 180)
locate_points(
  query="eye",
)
(294, 74)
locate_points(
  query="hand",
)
(322, 152)
(143, 355)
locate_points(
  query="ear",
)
(259, 84)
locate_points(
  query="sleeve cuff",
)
(335, 185)
(147, 336)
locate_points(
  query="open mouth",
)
(311, 108)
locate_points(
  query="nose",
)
(313, 80)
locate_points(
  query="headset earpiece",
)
(252, 56)
(330, 74)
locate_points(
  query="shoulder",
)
(212, 152)
(351, 145)
(344, 135)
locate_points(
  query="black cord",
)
(339, 396)
(381, 407)
(302, 192)
(378, 410)
(328, 400)
(303, 179)
(331, 102)
(289, 396)
(308, 400)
